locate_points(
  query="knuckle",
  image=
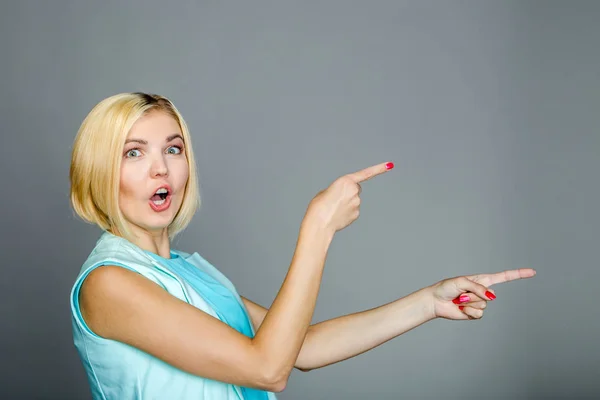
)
(346, 180)
(462, 280)
(340, 181)
(348, 186)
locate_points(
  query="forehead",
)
(154, 124)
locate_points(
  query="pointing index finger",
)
(505, 276)
(370, 172)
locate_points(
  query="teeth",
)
(159, 202)
(161, 191)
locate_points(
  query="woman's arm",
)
(281, 334)
(344, 337)
(283, 330)
(334, 340)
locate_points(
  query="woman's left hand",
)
(465, 297)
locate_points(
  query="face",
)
(154, 172)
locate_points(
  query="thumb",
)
(466, 285)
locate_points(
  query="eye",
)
(131, 153)
(174, 150)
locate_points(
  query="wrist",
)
(315, 225)
(427, 302)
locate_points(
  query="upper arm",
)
(122, 305)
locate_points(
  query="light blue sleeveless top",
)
(219, 298)
(118, 371)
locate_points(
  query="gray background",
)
(488, 108)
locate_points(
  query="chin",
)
(160, 223)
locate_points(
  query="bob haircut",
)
(96, 162)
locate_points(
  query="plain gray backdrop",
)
(490, 110)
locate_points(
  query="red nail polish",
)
(490, 295)
(461, 308)
(463, 298)
(389, 165)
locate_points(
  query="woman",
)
(152, 322)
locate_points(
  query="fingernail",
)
(490, 295)
(461, 299)
(461, 308)
(389, 165)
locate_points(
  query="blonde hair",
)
(96, 162)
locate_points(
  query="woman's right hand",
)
(338, 205)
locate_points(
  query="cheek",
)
(130, 180)
(182, 174)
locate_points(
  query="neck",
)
(156, 242)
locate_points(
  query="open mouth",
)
(160, 197)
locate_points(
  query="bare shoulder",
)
(106, 277)
(110, 280)
(112, 289)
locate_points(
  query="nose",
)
(159, 167)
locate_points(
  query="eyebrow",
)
(170, 138)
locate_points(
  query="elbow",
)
(272, 373)
(279, 386)
(276, 382)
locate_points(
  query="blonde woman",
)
(153, 322)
